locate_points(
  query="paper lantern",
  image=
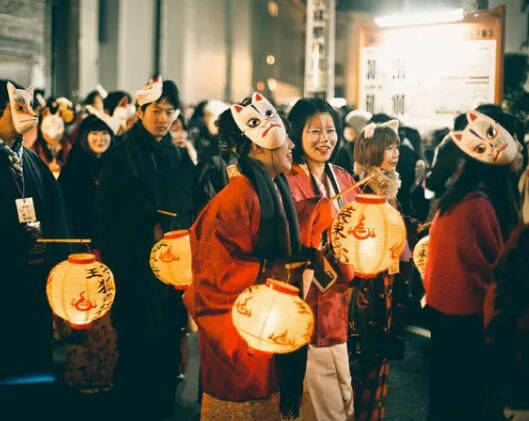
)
(80, 289)
(272, 317)
(420, 254)
(171, 259)
(368, 234)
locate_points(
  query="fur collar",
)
(382, 183)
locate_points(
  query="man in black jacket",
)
(145, 173)
(30, 207)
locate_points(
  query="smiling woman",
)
(315, 134)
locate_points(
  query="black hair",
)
(92, 124)
(4, 95)
(299, 116)
(229, 133)
(170, 93)
(460, 122)
(183, 121)
(492, 180)
(112, 100)
(381, 118)
(90, 99)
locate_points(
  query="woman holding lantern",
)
(92, 353)
(376, 312)
(476, 215)
(247, 233)
(314, 130)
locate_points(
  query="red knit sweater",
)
(464, 244)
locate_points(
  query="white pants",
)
(327, 391)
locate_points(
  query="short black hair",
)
(4, 95)
(112, 100)
(300, 114)
(90, 99)
(170, 93)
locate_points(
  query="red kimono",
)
(330, 307)
(223, 236)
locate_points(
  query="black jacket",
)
(141, 176)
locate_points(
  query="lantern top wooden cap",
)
(81, 258)
(282, 287)
(372, 199)
(171, 235)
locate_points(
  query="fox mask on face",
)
(260, 122)
(486, 140)
(21, 103)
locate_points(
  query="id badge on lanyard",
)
(26, 210)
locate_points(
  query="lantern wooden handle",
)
(171, 214)
(422, 227)
(65, 240)
(354, 186)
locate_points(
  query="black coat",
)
(79, 181)
(25, 316)
(139, 177)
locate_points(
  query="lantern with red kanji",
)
(420, 254)
(80, 289)
(368, 234)
(271, 317)
(170, 259)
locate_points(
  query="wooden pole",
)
(171, 214)
(65, 240)
(354, 186)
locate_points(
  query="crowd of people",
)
(257, 186)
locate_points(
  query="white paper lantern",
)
(272, 317)
(420, 255)
(80, 289)
(368, 234)
(170, 259)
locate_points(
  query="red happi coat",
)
(223, 236)
(330, 307)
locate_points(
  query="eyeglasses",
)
(315, 134)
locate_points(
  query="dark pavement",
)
(407, 400)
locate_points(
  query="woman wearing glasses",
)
(327, 389)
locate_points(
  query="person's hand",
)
(158, 232)
(516, 414)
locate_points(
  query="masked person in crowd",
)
(143, 174)
(52, 145)
(246, 233)
(376, 312)
(30, 207)
(314, 131)
(476, 215)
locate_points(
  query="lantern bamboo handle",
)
(171, 214)
(354, 186)
(422, 227)
(65, 240)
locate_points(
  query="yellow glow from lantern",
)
(171, 259)
(80, 289)
(270, 319)
(368, 234)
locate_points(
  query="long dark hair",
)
(492, 180)
(298, 118)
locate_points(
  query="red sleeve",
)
(484, 232)
(222, 241)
